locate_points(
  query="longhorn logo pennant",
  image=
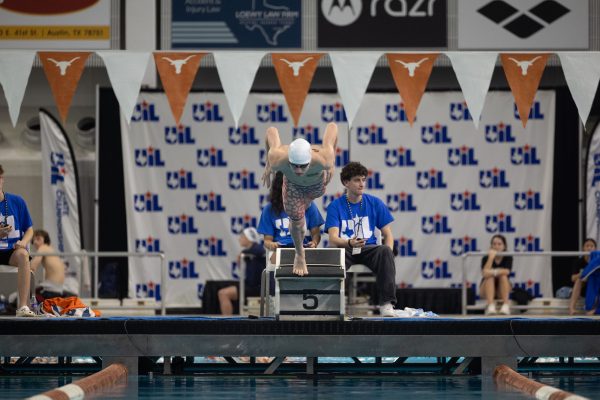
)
(295, 72)
(63, 71)
(177, 72)
(523, 72)
(411, 73)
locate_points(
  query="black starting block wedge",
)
(316, 296)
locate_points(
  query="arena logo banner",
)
(61, 199)
(387, 23)
(523, 24)
(236, 24)
(57, 24)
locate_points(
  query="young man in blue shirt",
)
(15, 234)
(350, 223)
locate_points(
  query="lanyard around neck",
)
(358, 225)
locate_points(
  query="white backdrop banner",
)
(191, 189)
(60, 202)
(592, 204)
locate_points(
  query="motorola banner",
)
(382, 23)
(192, 188)
(523, 24)
(205, 24)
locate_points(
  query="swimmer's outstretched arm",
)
(329, 146)
(275, 154)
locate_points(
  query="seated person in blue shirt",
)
(579, 286)
(275, 223)
(351, 220)
(254, 253)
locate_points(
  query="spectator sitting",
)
(254, 252)
(54, 268)
(578, 285)
(495, 271)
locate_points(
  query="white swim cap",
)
(299, 152)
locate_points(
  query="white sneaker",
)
(25, 312)
(387, 310)
(491, 309)
(505, 310)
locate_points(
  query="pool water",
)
(225, 387)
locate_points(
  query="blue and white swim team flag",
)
(593, 187)
(61, 218)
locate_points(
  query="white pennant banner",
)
(237, 70)
(474, 73)
(126, 71)
(15, 67)
(582, 73)
(353, 72)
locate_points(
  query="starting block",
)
(318, 295)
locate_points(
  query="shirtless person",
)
(54, 267)
(306, 171)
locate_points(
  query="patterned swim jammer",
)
(296, 198)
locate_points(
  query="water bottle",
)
(34, 304)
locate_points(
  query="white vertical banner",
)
(191, 189)
(450, 186)
(592, 204)
(61, 199)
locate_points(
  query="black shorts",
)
(5, 256)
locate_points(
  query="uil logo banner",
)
(146, 112)
(243, 180)
(405, 247)
(212, 247)
(435, 134)
(524, 155)
(465, 201)
(181, 179)
(528, 200)
(271, 113)
(374, 180)
(432, 179)
(328, 199)
(243, 135)
(402, 202)
(148, 157)
(528, 244)
(459, 246)
(435, 224)
(499, 223)
(181, 225)
(460, 112)
(183, 269)
(436, 269)
(57, 167)
(493, 178)
(147, 245)
(596, 176)
(147, 202)
(333, 113)
(342, 157)
(148, 290)
(499, 133)
(211, 157)
(534, 113)
(395, 112)
(372, 134)
(180, 134)
(399, 157)
(206, 112)
(239, 223)
(308, 132)
(459, 156)
(532, 287)
(210, 202)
